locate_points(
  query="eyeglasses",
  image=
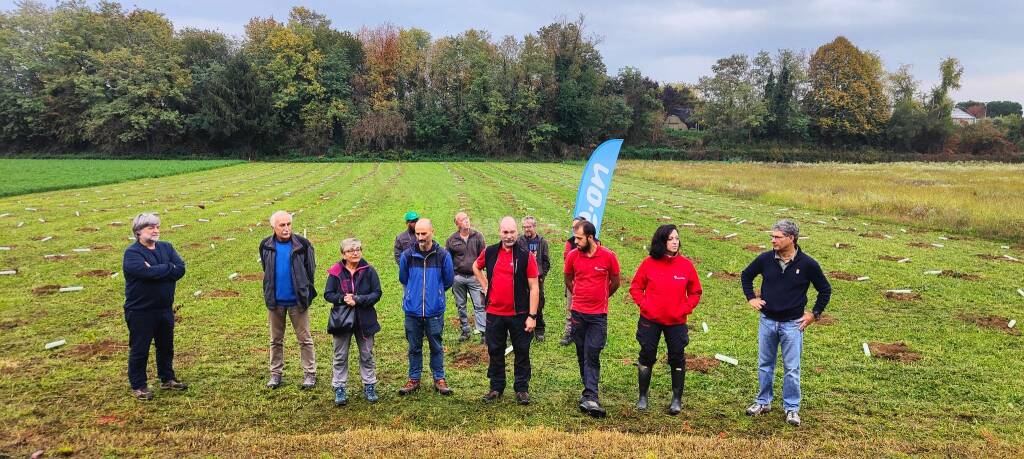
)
(354, 250)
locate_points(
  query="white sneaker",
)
(793, 418)
(757, 409)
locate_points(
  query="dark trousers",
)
(648, 333)
(144, 328)
(540, 308)
(499, 329)
(590, 333)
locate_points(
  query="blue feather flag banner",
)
(597, 182)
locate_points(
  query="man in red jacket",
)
(592, 275)
(667, 288)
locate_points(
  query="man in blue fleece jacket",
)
(151, 269)
(786, 273)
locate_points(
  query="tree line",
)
(75, 77)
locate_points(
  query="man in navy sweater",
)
(151, 269)
(786, 273)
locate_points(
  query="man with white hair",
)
(786, 273)
(289, 264)
(151, 269)
(512, 294)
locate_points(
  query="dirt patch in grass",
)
(843, 275)
(195, 245)
(469, 356)
(101, 350)
(825, 319)
(994, 322)
(896, 296)
(56, 257)
(48, 289)
(700, 364)
(873, 235)
(87, 229)
(753, 248)
(95, 273)
(39, 238)
(890, 258)
(250, 277)
(115, 224)
(11, 324)
(898, 352)
(101, 246)
(843, 246)
(218, 293)
(985, 256)
(958, 275)
(921, 245)
(634, 239)
(726, 275)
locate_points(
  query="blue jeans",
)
(415, 329)
(772, 334)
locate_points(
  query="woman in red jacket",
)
(666, 287)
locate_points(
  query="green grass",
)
(962, 398)
(983, 199)
(22, 176)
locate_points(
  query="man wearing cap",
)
(151, 269)
(465, 245)
(406, 238)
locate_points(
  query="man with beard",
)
(511, 293)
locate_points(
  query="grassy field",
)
(35, 175)
(955, 392)
(978, 199)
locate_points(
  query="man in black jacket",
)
(511, 293)
(786, 273)
(538, 246)
(151, 269)
(289, 264)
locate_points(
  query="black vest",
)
(520, 283)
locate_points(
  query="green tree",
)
(732, 108)
(846, 101)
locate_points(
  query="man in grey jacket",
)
(289, 264)
(465, 246)
(532, 240)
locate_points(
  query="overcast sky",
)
(677, 41)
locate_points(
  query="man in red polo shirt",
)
(511, 293)
(592, 275)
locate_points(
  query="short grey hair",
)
(350, 243)
(530, 219)
(143, 220)
(787, 227)
(278, 214)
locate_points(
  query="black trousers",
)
(590, 334)
(499, 330)
(648, 333)
(540, 308)
(144, 328)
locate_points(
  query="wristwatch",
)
(817, 314)
(532, 316)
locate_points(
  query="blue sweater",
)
(151, 287)
(284, 291)
(785, 292)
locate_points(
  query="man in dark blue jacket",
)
(786, 273)
(426, 271)
(151, 269)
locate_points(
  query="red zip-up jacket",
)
(667, 290)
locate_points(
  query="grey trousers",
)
(469, 284)
(568, 311)
(300, 323)
(367, 367)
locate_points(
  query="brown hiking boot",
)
(173, 384)
(442, 387)
(409, 386)
(143, 394)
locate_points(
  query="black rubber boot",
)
(678, 381)
(643, 375)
